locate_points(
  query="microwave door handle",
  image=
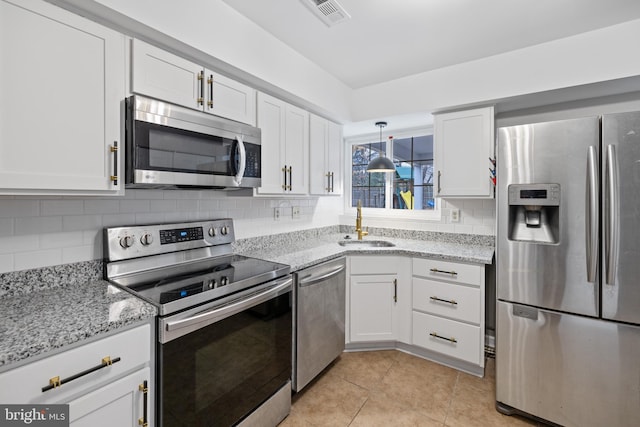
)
(243, 161)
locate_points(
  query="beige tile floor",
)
(392, 388)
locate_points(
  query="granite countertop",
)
(38, 322)
(306, 253)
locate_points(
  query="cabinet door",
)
(120, 403)
(464, 144)
(62, 88)
(271, 120)
(372, 308)
(335, 149)
(231, 99)
(297, 149)
(162, 75)
(319, 179)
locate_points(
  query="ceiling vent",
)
(329, 11)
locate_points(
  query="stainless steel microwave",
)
(169, 146)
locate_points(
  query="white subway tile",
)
(36, 259)
(209, 205)
(134, 206)
(463, 229)
(81, 222)
(116, 220)
(38, 225)
(12, 208)
(79, 254)
(101, 206)
(62, 207)
(11, 244)
(149, 218)
(6, 226)
(61, 240)
(162, 206)
(148, 194)
(188, 205)
(484, 230)
(6, 263)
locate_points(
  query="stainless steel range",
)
(224, 329)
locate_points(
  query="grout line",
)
(453, 394)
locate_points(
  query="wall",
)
(476, 217)
(45, 231)
(595, 56)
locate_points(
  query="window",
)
(410, 188)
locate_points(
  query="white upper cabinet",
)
(325, 149)
(285, 147)
(464, 143)
(62, 86)
(167, 77)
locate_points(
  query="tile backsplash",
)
(47, 231)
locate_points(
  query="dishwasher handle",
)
(311, 279)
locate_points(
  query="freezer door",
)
(621, 217)
(553, 273)
(572, 370)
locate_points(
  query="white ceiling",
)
(387, 40)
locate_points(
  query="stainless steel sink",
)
(366, 243)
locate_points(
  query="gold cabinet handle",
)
(144, 421)
(55, 382)
(452, 302)
(201, 87)
(114, 149)
(436, 335)
(451, 272)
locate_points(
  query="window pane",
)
(367, 187)
(423, 147)
(371, 197)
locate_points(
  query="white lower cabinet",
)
(106, 382)
(448, 309)
(431, 308)
(379, 299)
(120, 403)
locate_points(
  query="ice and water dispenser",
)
(534, 213)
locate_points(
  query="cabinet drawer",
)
(133, 347)
(458, 340)
(470, 274)
(447, 299)
(374, 264)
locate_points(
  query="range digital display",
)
(533, 194)
(180, 235)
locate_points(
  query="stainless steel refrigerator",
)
(568, 270)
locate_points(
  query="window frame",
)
(434, 214)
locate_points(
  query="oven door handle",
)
(206, 318)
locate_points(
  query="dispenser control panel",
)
(534, 194)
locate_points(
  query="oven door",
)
(167, 145)
(216, 366)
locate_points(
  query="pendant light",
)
(381, 163)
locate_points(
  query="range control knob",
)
(211, 284)
(126, 241)
(224, 281)
(212, 232)
(224, 230)
(146, 239)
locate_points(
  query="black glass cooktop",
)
(178, 287)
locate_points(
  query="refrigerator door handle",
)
(591, 220)
(612, 216)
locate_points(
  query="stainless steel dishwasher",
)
(320, 319)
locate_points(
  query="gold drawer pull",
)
(452, 302)
(435, 335)
(57, 382)
(435, 270)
